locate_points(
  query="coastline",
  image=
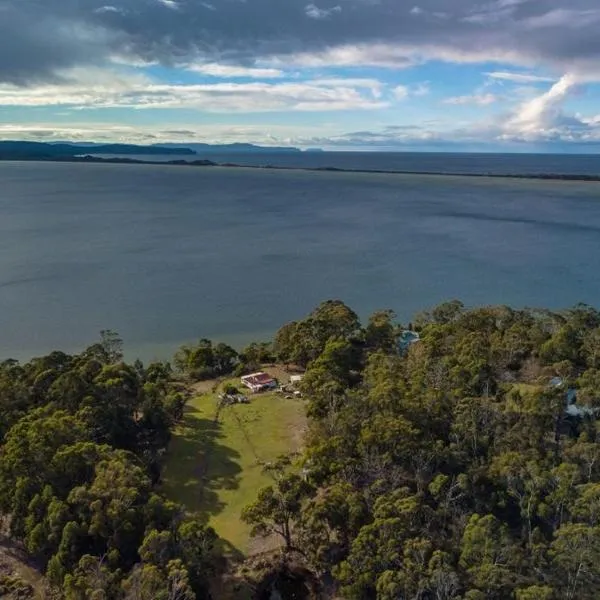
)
(88, 159)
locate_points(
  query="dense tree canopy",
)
(462, 464)
(82, 439)
(206, 360)
(465, 467)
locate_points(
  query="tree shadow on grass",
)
(200, 465)
(229, 551)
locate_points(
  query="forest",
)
(462, 465)
(81, 444)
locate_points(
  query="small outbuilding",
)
(258, 382)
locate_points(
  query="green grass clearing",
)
(215, 467)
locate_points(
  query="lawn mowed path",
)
(215, 466)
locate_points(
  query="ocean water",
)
(168, 254)
(419, 162)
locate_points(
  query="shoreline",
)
(209, 163)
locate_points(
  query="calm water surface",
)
(419, 162)
(166, 254)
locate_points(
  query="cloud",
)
(519, 77)
(478, 99)
(314, 12)
(543, 116)
(421, 89)
(235, 71)
(108, 9)
(390, 56)
(87, 90)
(493, 12)
(374, 86)
(401, 92)
(38, 39)
(172, 4)
(265, 134)
(563, 17)
(522, 129)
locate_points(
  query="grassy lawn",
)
(215, 466)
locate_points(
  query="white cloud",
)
(265, 134)
(478, 99)
(519, 77)
(172, 4)
(233, 71)
(108, 9)
(107, 90)
(394, 56)
(543, 114)
(371, 55)
(314, 12)
(373, 85)
(359, 82)
(401, 92)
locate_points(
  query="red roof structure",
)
(258, 381)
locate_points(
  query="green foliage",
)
(253, 356)
(13, 587)
(205, 360)
(455, 469)
(381, 333)
(277, 508)
(303, 341)
(83, 438)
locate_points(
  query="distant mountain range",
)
(30, 150)
(16, 150)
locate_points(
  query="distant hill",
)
(230, 148)
(27, 150)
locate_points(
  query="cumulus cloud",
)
(37, 39)
(543, 116)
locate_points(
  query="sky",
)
(497, 75)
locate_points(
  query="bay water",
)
(167, 254)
